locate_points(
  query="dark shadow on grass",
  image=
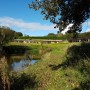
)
(24, 82)
(78, 57)
(74, 55)
(83, 86)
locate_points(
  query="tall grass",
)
(64, 66)
(4, 74)
(14, 80)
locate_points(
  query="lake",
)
(16, 63)
(20, 65)
(17, 57)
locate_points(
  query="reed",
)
(4, 74)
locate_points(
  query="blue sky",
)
(16, 15)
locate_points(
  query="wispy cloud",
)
(88, 30)
(19, 23)
(85, 24)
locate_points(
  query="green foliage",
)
(72, 35)
(84, 35)
(23, 82)
(59, 69)
(80, 62)
(64, 12)
(58, 36)
(19, 34)
(51, 35)
(58, 72)
(7, 34)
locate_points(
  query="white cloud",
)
(67, 28)
(19, 23)
(88, 30)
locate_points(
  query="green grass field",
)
(65, 67)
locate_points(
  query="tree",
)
(84, 35)
(18, 35)
(64, 12)
(51, 35)
(7, 34)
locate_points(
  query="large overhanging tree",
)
(64, 12)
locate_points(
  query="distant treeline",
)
(7, 34)
(42, 37)
(59, 36)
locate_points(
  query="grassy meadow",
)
(63, 66)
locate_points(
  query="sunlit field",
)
(63, 66)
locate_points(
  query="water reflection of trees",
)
(15, 49)
(10, 80)
(15, 53)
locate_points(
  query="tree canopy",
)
(64, 12)
(7, 34)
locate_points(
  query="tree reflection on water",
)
(10, 63)
(7, 78)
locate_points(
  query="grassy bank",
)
(65, 66)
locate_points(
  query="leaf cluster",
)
(7, 34)
(64, 12)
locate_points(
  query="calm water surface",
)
(20, 65)
(16, 57)
(16, 63)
